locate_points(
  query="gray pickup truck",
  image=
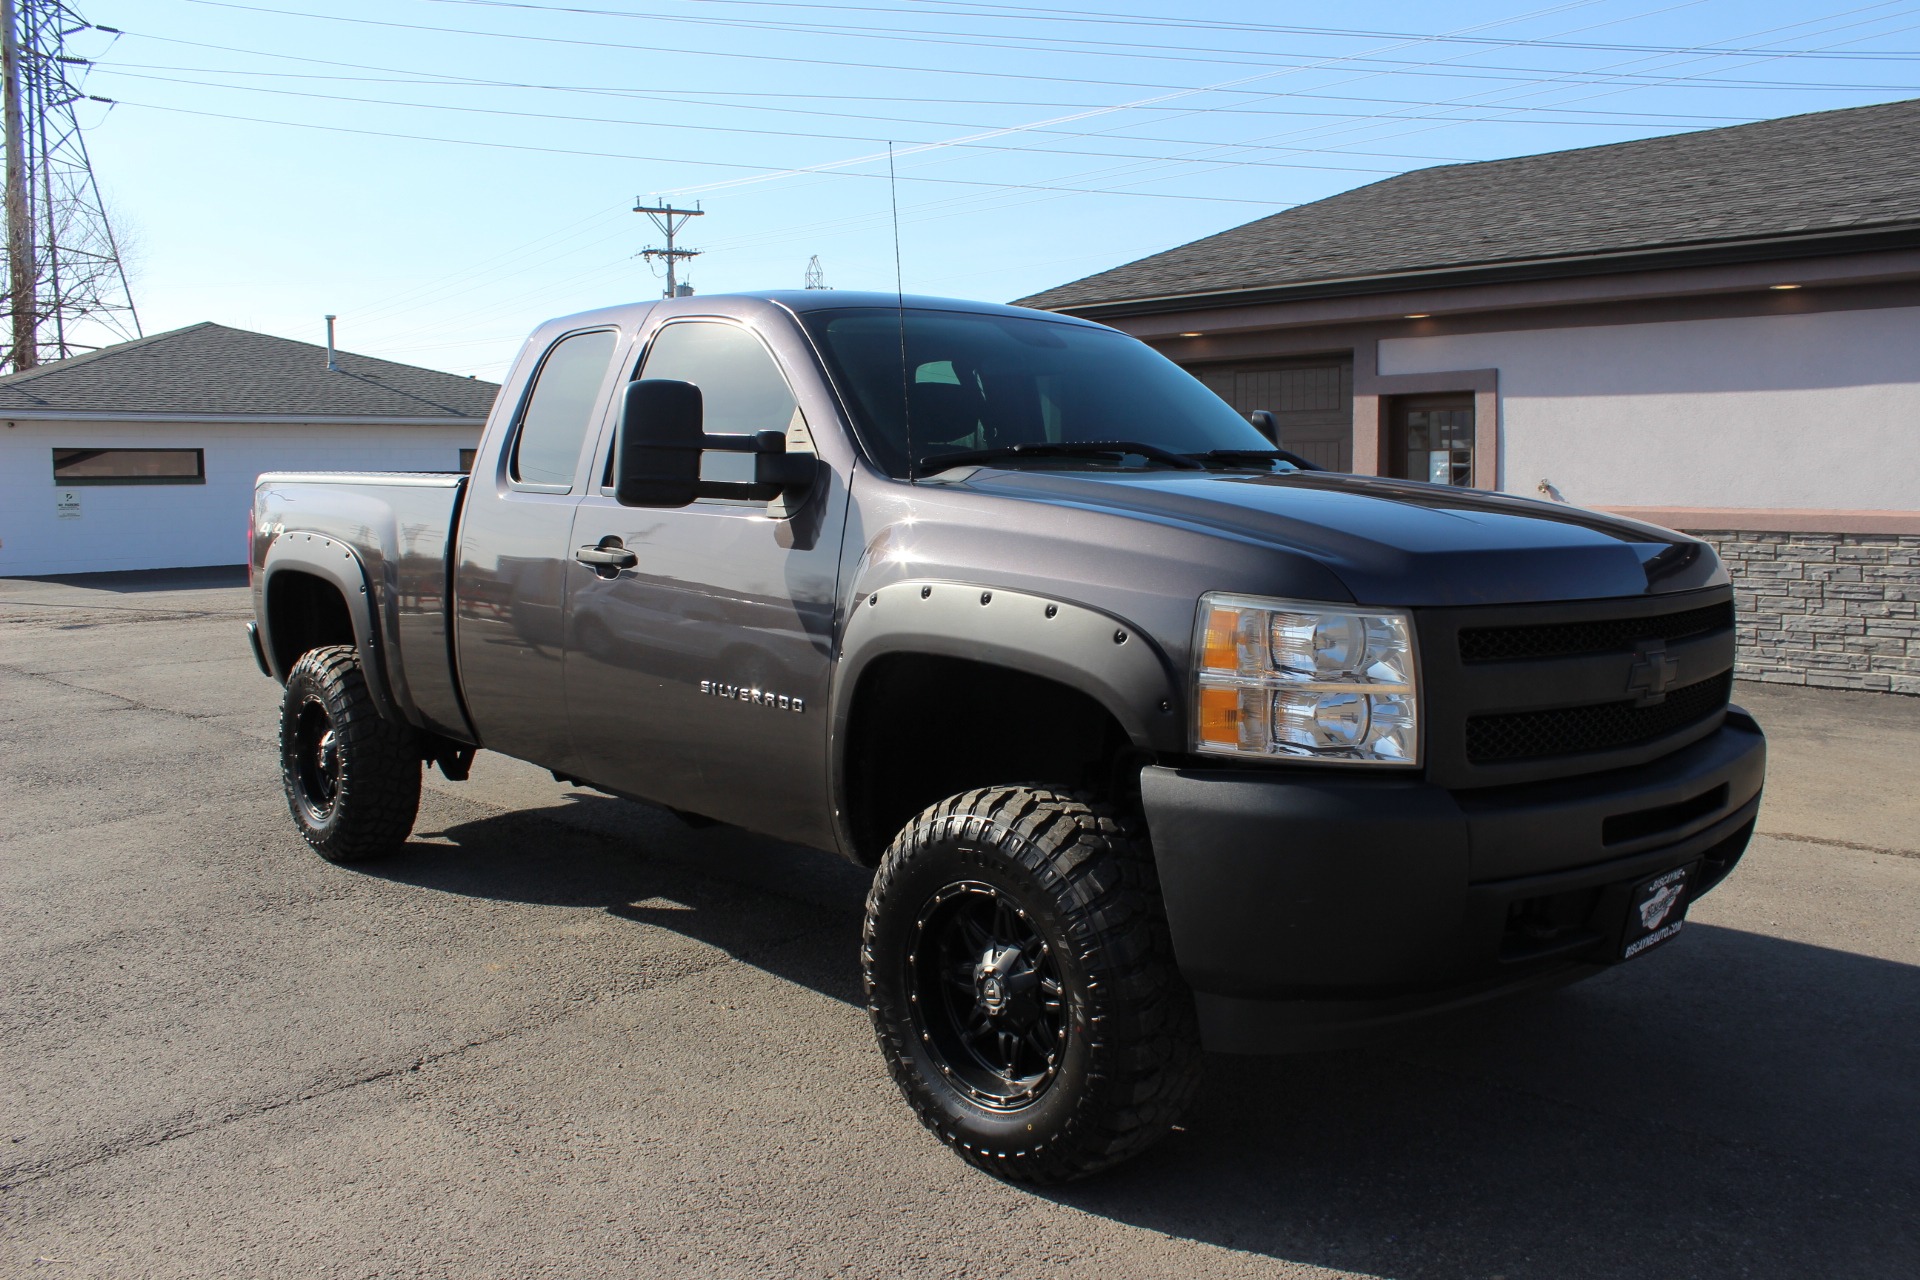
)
(1157, 738)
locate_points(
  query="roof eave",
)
(1760, 249)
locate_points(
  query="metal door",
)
(697, 676)
(1311, 398)
(514, 554)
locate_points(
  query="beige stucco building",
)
(1717, 331)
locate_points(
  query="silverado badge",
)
(757, 697)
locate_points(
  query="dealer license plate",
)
(1655, 910)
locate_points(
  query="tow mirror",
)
(659, 446)
(1266, 424)
(656, 453)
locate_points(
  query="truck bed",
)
(399, 526)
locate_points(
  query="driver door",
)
(697, 677)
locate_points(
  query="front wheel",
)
(1022, 986)
(352, 776)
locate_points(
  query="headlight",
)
(1307, 681)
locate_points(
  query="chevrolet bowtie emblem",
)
(1652, 673)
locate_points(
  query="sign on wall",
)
(67, 503)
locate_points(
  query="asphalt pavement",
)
(565, 1036)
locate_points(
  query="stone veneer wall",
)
(1836, 610)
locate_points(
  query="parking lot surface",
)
(566, 1036)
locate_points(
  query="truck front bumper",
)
(1315, 908)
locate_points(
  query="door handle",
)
(613, 556)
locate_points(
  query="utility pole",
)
(669, 220)
(816, 274)
(66, 287)
(22, 262)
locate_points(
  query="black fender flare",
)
(334, 562)
(1084, 648)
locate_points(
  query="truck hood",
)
(1391, 541)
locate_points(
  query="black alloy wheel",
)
(987, 997)
(1022, 987)
(352, 776)
(316, 771)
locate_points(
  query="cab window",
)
(741, 387)
(742, 390)
(565, 394)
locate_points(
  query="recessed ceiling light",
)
(1783, 286)
(1418, 315)
(1193, 335)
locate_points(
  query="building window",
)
(1432, 439)
(466, 459)
(129, 466)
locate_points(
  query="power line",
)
(773, 133)
(1750, 35)
(619, 155)
(1134, 170)
(1091, 17)
(1476, 73)
(700, 96)
(1079, 46)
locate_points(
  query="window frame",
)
(510, 453)
(1428, 402)
(603, 454)
(78, 482)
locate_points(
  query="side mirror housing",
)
(662, 438)
(1266, 424)
(656, 451)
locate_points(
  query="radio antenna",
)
(900, 310)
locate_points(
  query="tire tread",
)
(379, 795)
(1145, 1046)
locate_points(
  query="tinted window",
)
(565, 394)
(983, 381)
(128, 466)
(740, 386)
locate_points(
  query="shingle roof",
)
(1828, 171)
(211, 369)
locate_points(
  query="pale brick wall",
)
(1837, 610)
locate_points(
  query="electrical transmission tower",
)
(669, 220)
(816, 274)
(66, 288)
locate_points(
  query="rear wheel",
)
(352, 777)
(1022, 987)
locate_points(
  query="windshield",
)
(978, 381)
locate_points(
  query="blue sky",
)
(1033, 143)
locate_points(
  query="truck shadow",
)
(1735, 1104)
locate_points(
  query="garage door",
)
(1312, 398)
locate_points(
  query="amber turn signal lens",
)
(1222, 651)
(1219, 719)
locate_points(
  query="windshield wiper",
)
(1059, 449)
(1287, 456)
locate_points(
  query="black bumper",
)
(1314, 908)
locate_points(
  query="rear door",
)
(510, 588)
(698, 677)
